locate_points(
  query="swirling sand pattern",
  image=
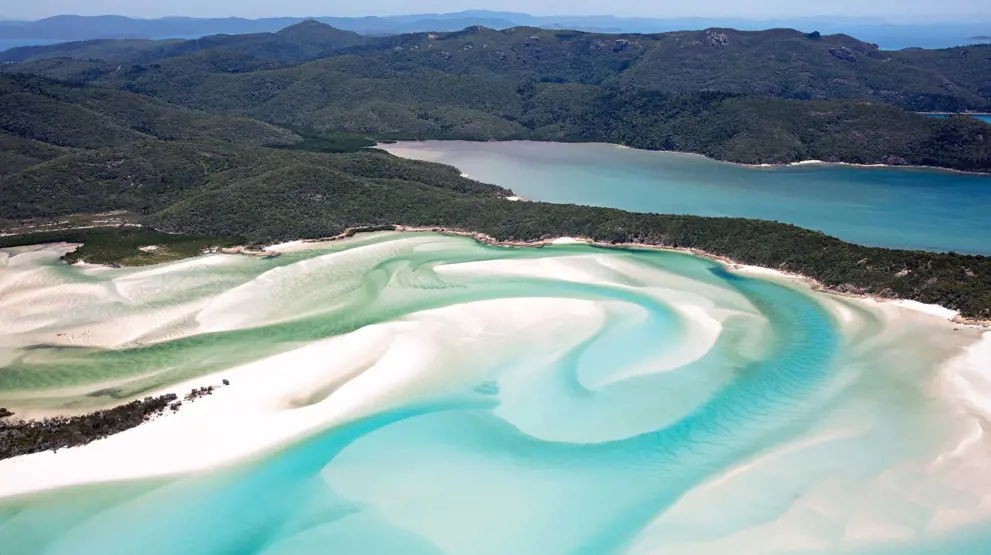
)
(563, 400)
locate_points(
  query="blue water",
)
(790, 418)
(910, 208)
(6, 44)
(982, 117)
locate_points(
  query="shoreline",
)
(276, 249)
(334, 381)
(853, 165)
(729, 263)
(375, 367)
(954, 113)
(778, 165)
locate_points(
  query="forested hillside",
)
(37, 109)
(781, 63)
(179, 144)
(773, 96)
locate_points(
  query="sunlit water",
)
(667, 406)
(909, 208)
(982, 117)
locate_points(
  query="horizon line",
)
(878, 18)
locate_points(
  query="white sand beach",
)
(329, 382)
(278, 399)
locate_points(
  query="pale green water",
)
(905, 208)
(667, 406)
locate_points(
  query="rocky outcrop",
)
(716, 39)
(843, 53)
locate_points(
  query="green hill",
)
(19, 153)
(70, 116)
(265, 195)
(778, 62)
(375, 96)
(773, 96)
(146, 177)
(197, 159)
(108, 50)
(781, 63)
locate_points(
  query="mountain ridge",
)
(931, 33)
(307, 40)
(775, 62)
(767, 97)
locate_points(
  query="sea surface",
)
(982, 117)
(665, 405)
(6, 44)
(908, 208)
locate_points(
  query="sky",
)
(757, 9)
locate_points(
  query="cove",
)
(904, 208)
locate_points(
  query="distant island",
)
(893, 34)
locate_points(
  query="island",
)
(174, 153)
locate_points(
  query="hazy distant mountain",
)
(73, 27)
(307, 40)
(888, 35)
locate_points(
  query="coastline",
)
(373, 367)
(799, 163)
(276, 249)
(852, 165)
(779, 165)
(262, 407)
(733, 265)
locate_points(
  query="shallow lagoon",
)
(910, 208)
(563, 400)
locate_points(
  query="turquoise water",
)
(668, 406)
(982, 117)
(890, 207)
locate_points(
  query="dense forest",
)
(220, 193)
(326, 98)
(212, 152)
(782, 63)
